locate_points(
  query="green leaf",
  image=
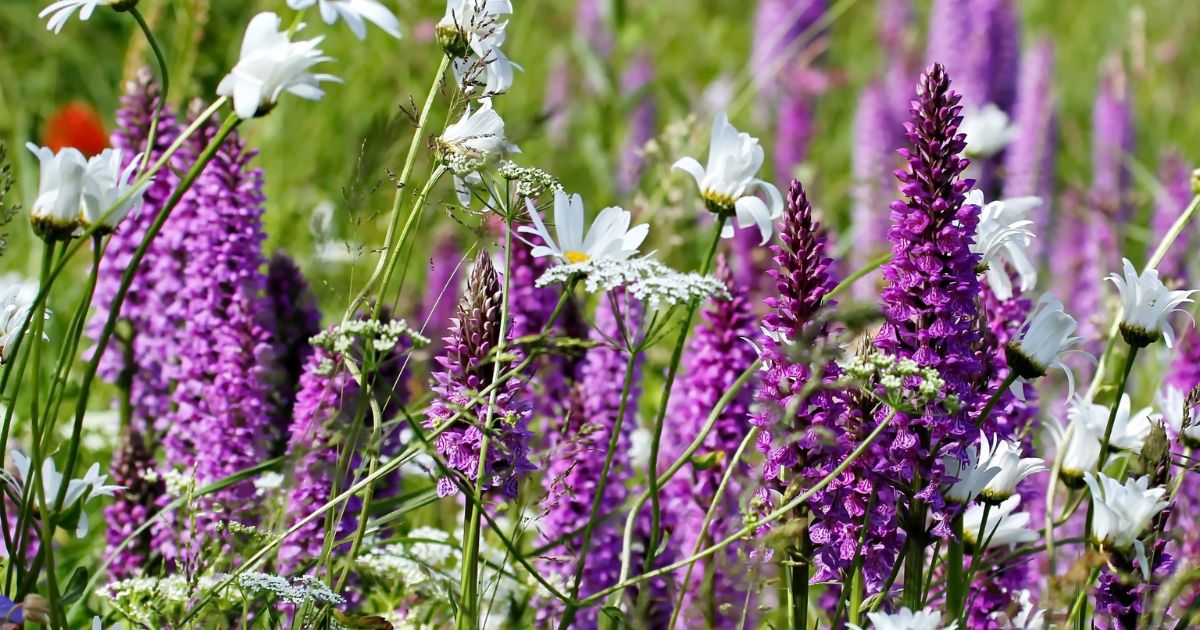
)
(75, 588)
(362, 622)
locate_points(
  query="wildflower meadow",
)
(425, 314)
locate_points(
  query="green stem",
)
(956, 586)
(469, 578)
(750, 527)
(1112, 414)
(392, 257)
(996, 396)
(672, 372)
(401, 184)
(857, 275)
(152, 135)
(601, 484)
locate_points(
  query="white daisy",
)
(1003, 528)
(356, 13)
(271, 64)
(608, 237)
(62, 10)
(1040, 343)
(1122, 512)
(728, 183)
(1003, 237)
(107, 183)
(1147, 305)
(63, 175)
(988, 131)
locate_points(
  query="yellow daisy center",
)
(576, 257)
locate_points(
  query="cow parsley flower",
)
(107, 183)
(62, 10)
(1121, 512)
(645, 279)
(1147, 305)
(356, 14)
(55, 212)
(270, 64)
(905, 619)
(1040, 343)
(1003, 236)
(1003, 528)
(608, 237)
(727, 183)
(988, 131)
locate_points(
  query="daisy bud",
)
(1147, 306)
(55, 212)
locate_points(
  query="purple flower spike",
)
(467, 367)
(131, 507)
(1029, 160)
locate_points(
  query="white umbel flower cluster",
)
(298, 591)
(645, 279)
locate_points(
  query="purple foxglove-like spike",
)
(557, 99)
(159, 277)
(1112, 144)
(593, 25)
(466, 367)
(793, 131)
(895, 26)
(1175, 177)
(296, 319)
(636, 84)
(131, 507)
(1079, 266)
(226, 348)
(873, 158)
(1029, 160)
(932, 285)
(978, 41)
(576, 459)
(716, 356)
(778, 27)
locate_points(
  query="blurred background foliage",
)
(333, 157)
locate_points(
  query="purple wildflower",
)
(132, 507)
(978, 42)
(1175, 177)
(778, 27)
(593, 25)
(1029, 160)
(467, 368)
(929, 303)
(636, 85)
(1122, 592)
(793, 131)
(296, 319)
(1112, 143)
(873, 158)
(142, 363)
(576, 459)
(716, 356)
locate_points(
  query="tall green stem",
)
(152, 135)
(956, 586)
(664, 400)
(1112, 413)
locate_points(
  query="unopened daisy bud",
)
(55, 212)
(1156, 447)
(1147, 306)
(728, 183)
(1047, 334)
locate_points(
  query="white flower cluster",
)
(152, 602)
(531, 181)
(890, 373)
(176, 482)
(644, 278)
(300, 590)
(383, 336)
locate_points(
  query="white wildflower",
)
(1002, 240)
(356, 14)
(1147, 305)
(988, 131)
(608, 237)
(1004, 527)
(62, 10)
(645, 279)
(1122, 512)
(905, 619)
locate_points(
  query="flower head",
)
(477, 138)
(107, 184)
(1003, 527)
(971, 477)
(270, 64)
(1147, 306)
(1179, 414)
(644, 278)
(1128, 431)
(988, 131)
(91, 485)
(14, 308)
(62, 10)
(727, 184)
(471, 32)
(1121, 512)
(1003, 236)
(608, 237)
(905, 619)
(1005, 457)
(1079, 441)
(55, 212)
(1040, 342)
(356, 13)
